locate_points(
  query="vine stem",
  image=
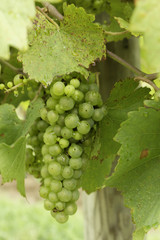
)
(37, 93)
(17, 70)
(15, 87)
(53, 11)
(147, 81)
(49, 19)
(141, 76)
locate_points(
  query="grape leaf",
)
(14, 21)
(125, 97)
(12, 163)
(55, 52)
(145, 20)
(11, 127)
(138, 171)
(51, 1)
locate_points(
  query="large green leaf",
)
(146, 19)
(12, 163)
(72, 47)
(11, 127)
(15, 18)
(125, 97)
(137, 174)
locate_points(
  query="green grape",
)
(84, 127)
(57, 130)
(70, 184)
(75, 195)
(34, 141)
(48, 205)
(67, 172)
(75, 82)
(69, 90)
(9, 84)
(51, 103)
(91, 122)
(52, 117)
(49, 138)
(65, 195)
(78, 96)
(57, 89)
(75, 151)
(61, 217)
(71, 120)
(56, 186)
(43, 192)
(93, 97)
(47, 158)
(44, 171)
(60, 121)
(55, 150)
(18, 79)
(59, 109)
(41, 125)
(98, 115)
(2, 86)
(53, 197)
(60, 206)
(86, 110)
(93, 87)
(71, 208)
(66, 132)
(40, 136)
(58, 177)
(64, 143)
(47, 181)
(83, 87)
(75, 163)
(43, 113)
(77, 136)
(63, 159)
(77, 174)
(45, 150)
(66, 103)
(54, 168)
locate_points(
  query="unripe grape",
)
(53, 197)
(78, 96)
(75, 195)
(84, 127)
(70, 184)
(66, 103)
(71, 120)
(75, 82)
(63, 159)
(54, 168)
(43, 113)
(61, 217)
(98, 115)
(51, 103)
(83, 87)
(9, 84)
(2, 86)
(67, 172)
(65, 195)
(57, 130)
(44, 191)
(55, 150)
(45, 149)
(75, 163)
(59, 109)
(47, 181)
(64, 143)
(57, 89)
(49, 138)
(71, 208)
(60, 206)
(69, 90)
(48, 205)
(41, 126)
(52, 117)
(86, 110)
(66, 132)
(75, 150)
(18, 79)
(44, 171)
(56, 186)
(77, 136)
(77, 174)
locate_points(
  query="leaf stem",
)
(115, 33)
(49, 19)
(53, 11)
(17, 70)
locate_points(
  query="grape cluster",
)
(34, 145)
(72, 111)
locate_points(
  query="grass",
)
(22, 221)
